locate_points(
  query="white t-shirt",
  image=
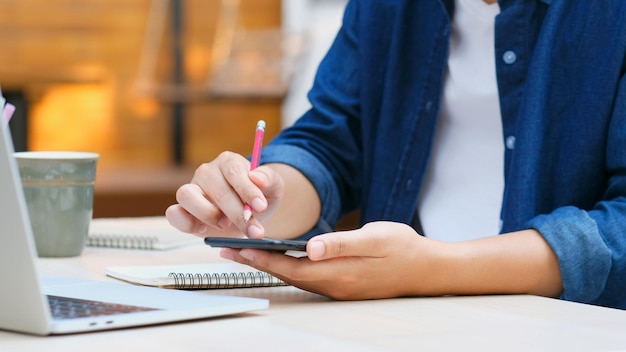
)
(463, 189)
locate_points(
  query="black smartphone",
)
(265, 243)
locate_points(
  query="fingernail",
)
(258, 204)
(249, 255)
(316, 249)
(260, 176)
(255, 231)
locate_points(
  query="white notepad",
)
(194, 276)
(151, 232)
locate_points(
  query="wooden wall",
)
(77, 63)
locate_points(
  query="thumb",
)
(353, 243)
(270, 182)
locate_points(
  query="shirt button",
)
(509, 57)
(510, 142)
(429, 105)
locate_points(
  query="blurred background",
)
(157, 87)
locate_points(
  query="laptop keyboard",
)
(68, 308)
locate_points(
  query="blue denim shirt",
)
(560, 64)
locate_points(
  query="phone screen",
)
(266, 243)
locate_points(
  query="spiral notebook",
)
(149, 232)
(194, 276)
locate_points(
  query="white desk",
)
(302, 321)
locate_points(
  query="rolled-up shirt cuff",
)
(584, 259)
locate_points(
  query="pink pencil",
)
(9, 109)
(256, 157)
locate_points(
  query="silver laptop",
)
(33, 304)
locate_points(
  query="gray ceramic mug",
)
(58, 187)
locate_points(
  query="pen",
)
(256, 157)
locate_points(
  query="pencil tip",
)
(247, 214)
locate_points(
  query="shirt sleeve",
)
(591, 245)
(324, 144)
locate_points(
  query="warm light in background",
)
(146, 108)
(73, 117)
(197, 63)
(100, 77)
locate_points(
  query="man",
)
(394, 104)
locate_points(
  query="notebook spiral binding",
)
(121, 241)
(224, 280)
